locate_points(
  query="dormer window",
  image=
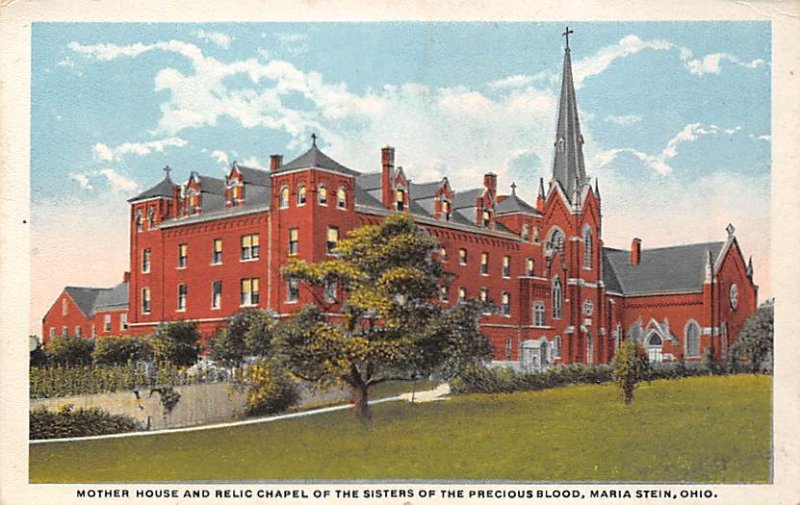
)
(446, 210)
(341, 198)
(301, 195)
(322, 195)
(193, 201)
(400, 199)
(235, 191)
(486, 218)
(283, 201)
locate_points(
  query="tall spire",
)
(568, 167)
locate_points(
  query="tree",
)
(249, 333)
(629, 365)
(111, 350)
(755, 339)
(177, 343)
(70, 351)
(382, 323)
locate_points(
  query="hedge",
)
(69, 422)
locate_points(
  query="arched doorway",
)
(654, 345)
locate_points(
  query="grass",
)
(709, 429)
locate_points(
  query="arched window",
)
(151, 218)
(446, 210)
(400, 199)
(733, 296)
(283, 201)
(589, 348)
(556, 297)
(587, 247)
(692, 339)
(322, 195)
(301, 195)
(341, 198)
(654, 344)
(555, 243)
(138, 220)
(557, 346)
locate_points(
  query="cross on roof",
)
(513, 188)
(566, 34)
(167, 170)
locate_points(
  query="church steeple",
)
(568, 167)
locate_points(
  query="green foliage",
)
(755, 340)
(169, 398)
(269, 388)
(629, 367)
(481, 379)
(70, 351)
(249, 333)
(38, 357)
(112, 350)
(177, 343)
(70, 422)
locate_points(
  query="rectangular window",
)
(52, 332)
(183, 254)
(538, 313)
(462, 294)
(78, 331)
(146, 301)
(293, 241)
(443, 254)
(292, 290)
(249, 292)
(106, 323)
(508, 349)
(216, 254)
(462, 256)
(123, 321)
(529, 267)
(146, 261)
(400, 199)
(443, 294)
(250, 250)
(332, 240)
(484, 263)
(506, 266)
(64, 331)
(505, 305)
(484, 295)
(557, 346)
(216, 294)
(181, 297)
(330, 292)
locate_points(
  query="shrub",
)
(112, 350)
(70, 422)
(480, 379)
(177, 343)
(38, 357)
(269, 389)
(248, 333)
(70, 351)
(629, 369)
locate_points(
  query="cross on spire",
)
(514, 188)
(167, 170)
(566, 34)
(313, 140)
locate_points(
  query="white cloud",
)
(512, 81)
(220, 158)
(690, 133)
(102, 152)
(66, 63)
(83, 180)
(220, 39)
(626, 120)
(118, 182)
(605, 56)
(253, 162)
(293, 43)
(710, 63)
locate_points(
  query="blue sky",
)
(676, 118)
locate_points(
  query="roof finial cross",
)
(514, 188)
(566, 34)
(167, 170)
(313, 140)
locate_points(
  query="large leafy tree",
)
(380, 323)
(248, 333)
(755, 339)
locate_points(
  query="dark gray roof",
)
(424, 190)
(211, 185)
(162, 189)
(254, 176)
(466, 198)
(568, 166)
(514, 205)
(370, 181)
(676, 269)
(363, 197)
(90, 300)
(314, 158)
(84, 298)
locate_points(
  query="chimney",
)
(275, 162)
(490, 182)
(126, 277)
(636, 251)
(387, 174)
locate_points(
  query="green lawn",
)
(710, 429)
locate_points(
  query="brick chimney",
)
(126, 277)
(490, 182)
(275, 162)
(636, 251)
(387, 174)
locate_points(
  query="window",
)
(443, 294)
(462, 256)
(692, 337)
(443, 254)
(484, 263)
(446, 210)
(590, 349)
(538, 313)
(329, 292)
(654, 343)
(733, 296)
(52, 332)
(332, 240)
(194, 201)
(283, 197)
(525, 232)
(341, 198)
(292, 290)
(505, 304)
(123, 321)
(529, 267)
(507, 355)
(137, 221)
(322, 195)
(400, 199)
(555, 243)
(63, 306)
(78, 331)
(151, 218)
(64, 331)
(183, 254)
(146, 301)
(294, 239)
(462, 294)
(506, 266)
(216, 294)
(181, 297)
(617, 336)
(556, 297)
(216, 255)
(587, 248)
(249, 249)
(487, 218)
(557, 346)
(106, 323)
(484, 295)
(146, 261)
(301, 195)
(248, 295)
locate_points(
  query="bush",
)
(269, 389)
(629, 367)
(177, 343)
(121, 350)
(70, 351)
(38, 357)
(70, 422)
(480, 379)
(248, 333)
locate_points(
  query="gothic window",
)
(508, 350)
(484, 295)
(654, 345)
(505, 304)
(526, 231)
(733, 296)
(589, 348)
(329, 292)
(556, 297)
(283, 201)
(560, 145)
(692, 339)
(538, 313)
(555, 243)
(635, 331)
(322, 195)
(301, 195)
(443, 254)
(138, 220)
(106, 323)
(64, 307)
(151, 218)
(78, 331)
(723, 335)
(341, 198)
(587, 247)
(484, 263)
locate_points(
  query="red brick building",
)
(204, 249)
